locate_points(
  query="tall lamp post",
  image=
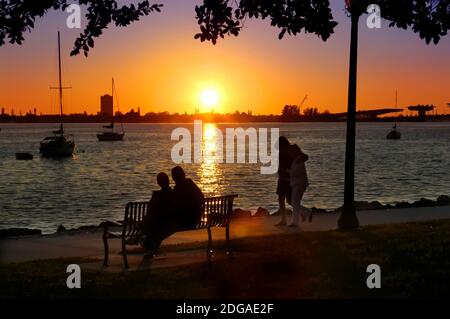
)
(348, 219)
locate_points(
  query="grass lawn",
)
(414, 259)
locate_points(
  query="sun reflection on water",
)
(210, 172)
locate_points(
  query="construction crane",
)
(302, 103)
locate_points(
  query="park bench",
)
(216, 212)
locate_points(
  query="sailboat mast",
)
(396, 99)
(60, 83)
(396, 107)
(112, 94)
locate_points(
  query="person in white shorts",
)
(299, 183)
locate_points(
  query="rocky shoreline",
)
(442, 200)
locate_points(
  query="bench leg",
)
(227, 234)
(105, 244)
(209, 250)
(124, 254)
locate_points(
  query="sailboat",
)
(394, 134)
(58, 145)
(110, 135)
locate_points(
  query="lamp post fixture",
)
(348, 219)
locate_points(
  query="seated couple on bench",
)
(171, 210)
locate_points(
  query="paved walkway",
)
(90, 244)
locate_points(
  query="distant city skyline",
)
(290, 113)
(158, 66)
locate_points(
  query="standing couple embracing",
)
(292, 181)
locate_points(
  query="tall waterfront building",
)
(106, 105)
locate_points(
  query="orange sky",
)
(158, 66)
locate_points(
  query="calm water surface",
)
(102, 177)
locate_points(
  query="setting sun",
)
(209, 98)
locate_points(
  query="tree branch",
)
(18, 17)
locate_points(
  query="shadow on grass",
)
(415, 264)
(414, 259)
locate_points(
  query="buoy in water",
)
(24, 156)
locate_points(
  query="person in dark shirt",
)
(157, 223)
(283, 185)
(188, 200)
(160, 201)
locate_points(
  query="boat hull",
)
(110, 137)
(57, 148)
(394, 135)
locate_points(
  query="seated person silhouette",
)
(171, 210)
(188, 200)
(157, 222)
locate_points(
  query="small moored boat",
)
(110, 135)
(394, 134)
